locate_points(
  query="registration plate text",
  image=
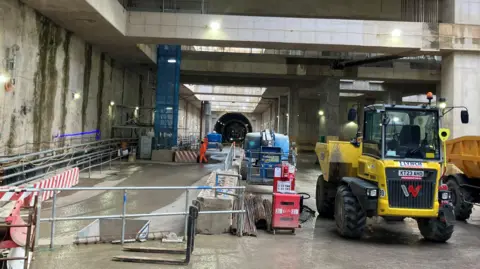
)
(410, 173)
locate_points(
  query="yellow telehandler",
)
(392, 171)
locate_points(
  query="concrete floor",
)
(100, 203)
(316, 245)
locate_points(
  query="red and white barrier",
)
(186, 156)
(14, 194)
(66, 179)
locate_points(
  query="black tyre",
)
(350, 218)
(394, 218)
(461, 200)
(243, 171)
(435, 230)
(325, 201)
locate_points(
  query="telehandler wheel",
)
(460, 199)
(325, 202)
(243, 171)
(349, 215)
(435, 230)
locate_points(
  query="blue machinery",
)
(166, 104)
(263, 152)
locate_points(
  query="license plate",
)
(410, 173)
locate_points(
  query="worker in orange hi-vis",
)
(203, 150)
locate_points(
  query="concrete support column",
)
(459, 85)
(273, 116)
(329, 91)
(293, 113)
(207, 117)
(460, 12)
(393, 97)
(360, 113)
(282, 114)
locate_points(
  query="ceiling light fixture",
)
(396, 33)
(214, 25)
(4, 78)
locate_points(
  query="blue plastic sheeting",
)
(166, 104)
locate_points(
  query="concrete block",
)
(216, 223)
(162, 155)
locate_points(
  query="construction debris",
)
(258, 214)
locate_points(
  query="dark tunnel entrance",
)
(233, 127)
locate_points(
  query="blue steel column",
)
(166, 104)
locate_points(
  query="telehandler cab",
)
(394, 171)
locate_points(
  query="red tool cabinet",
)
(285, 211)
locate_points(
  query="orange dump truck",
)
(463, 174)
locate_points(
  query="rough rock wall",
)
(52, 65)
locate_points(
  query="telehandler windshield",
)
(408, 134)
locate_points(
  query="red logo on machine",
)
(414, 191)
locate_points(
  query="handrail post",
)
(186, 214)
(52, 226)
(89, 167)
(216, 184)
(241, 215)
(124, 212)
(38, 215)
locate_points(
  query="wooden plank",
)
(155, 250)
(148, 260)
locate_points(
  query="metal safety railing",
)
(24, 168)
(188, 141)
(228, 163)
(53, 219)
(260, 165)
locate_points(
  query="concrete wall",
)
(269, 118)
(51, 65)
(188, 119)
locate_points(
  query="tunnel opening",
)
(233, 127)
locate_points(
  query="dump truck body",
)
(464, 153)
(338, 159)
(463, 173)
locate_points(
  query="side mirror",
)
(352, 114)
(464, 116)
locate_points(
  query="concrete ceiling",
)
(82, 19)
(85, 21)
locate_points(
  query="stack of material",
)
(258, 214)
(267, 204)
(249, 228)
